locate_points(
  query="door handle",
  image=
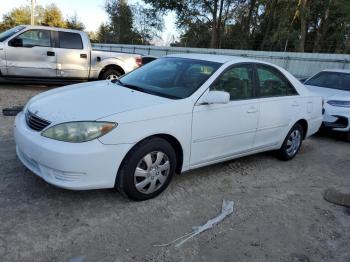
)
(252, 110)
(83, 55)
(50, 53)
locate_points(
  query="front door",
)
(223, 130)
(31, 54)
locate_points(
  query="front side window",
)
(170, 77)
(35, 37)
(273, 83)
(237, 81)
(333, 80)
(70, 40)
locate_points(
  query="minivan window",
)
(70, 40)
(335, 80)
(5, 35)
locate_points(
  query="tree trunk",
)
(214, 32)
(322, 29)
(303, 12)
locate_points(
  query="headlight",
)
(77, 132)
(339, 103)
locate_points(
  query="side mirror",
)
(216, 97)
(16, 42)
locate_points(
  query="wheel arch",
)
(111, 66)
(305, 126)
(173, 141)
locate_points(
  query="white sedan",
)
(175, 114)
(334, 86)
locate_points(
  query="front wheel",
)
(292, 143)
(147, 169)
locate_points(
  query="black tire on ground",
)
(125, 180)
(283, 153)
(347, 136)
(111, 74)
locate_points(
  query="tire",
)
(292, 143)
(111, 74)
(347, 137)
(144, 173)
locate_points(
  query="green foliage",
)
(129, 24)
(50, 15)
(73, 22)
(278, 25)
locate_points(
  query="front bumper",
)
(336, 118)
(76, 166)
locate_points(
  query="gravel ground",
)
(279, 211)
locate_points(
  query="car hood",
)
(89, 101)
(329, 93)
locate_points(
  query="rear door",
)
(73, 56)
(31, 54)
(220, 131)
(279, 105)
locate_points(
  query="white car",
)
(175, 114)
(334, 86)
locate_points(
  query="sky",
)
(90, 12)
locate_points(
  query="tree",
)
(73, 22)
(147, 23)
(52, 16)
(121, 21)
(213, 13)
(17, 16)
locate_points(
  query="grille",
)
(36, 123)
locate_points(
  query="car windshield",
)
(10, 32)
(334, 80)
(170, 77)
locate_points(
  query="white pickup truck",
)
(49, 54)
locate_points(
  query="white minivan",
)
(177, 113)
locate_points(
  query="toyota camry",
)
(175, 114)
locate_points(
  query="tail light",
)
(138, 61)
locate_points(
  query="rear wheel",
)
(111, 74)
(292, 143)
(147, 169)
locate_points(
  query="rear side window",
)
(70, 40)
(237, 81)
(273, 83)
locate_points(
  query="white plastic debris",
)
(227, 209)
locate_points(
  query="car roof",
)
(214, 58)
(337, 70)
(51, 28)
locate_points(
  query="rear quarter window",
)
(70, 40)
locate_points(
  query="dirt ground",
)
(279, 212)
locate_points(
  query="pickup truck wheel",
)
(111, 74)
